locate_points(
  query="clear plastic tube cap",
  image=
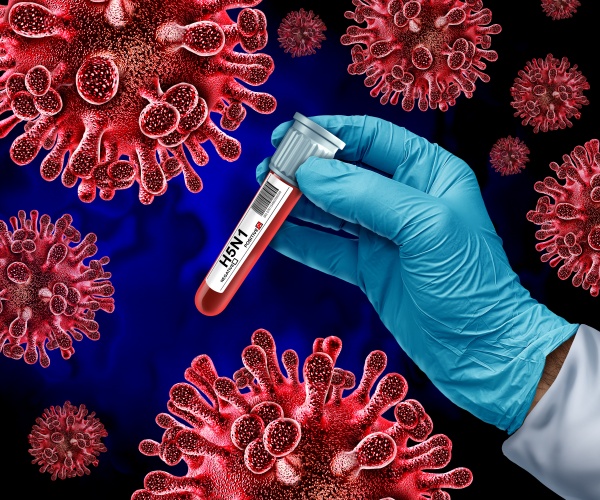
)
(304, 139)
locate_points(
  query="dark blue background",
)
(160, 254)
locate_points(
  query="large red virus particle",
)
(570, 227)
(66, 440)
(301, 33)
(548, 92)
(425, 49)
(106, 79)
(560, 9)
(509, 155)
(284, 439)
(47, 293)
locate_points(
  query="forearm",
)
(554, 362)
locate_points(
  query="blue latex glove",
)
(420, 244)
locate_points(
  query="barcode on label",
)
(264, 198)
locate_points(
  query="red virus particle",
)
(547, 93)
(47, 293)
(66, 440)
(509, 155)
(284, 439)
(560, 9)
(109, 79)
(301, 33)
(570, 227)
(425, 49)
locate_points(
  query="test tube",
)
(273, 202)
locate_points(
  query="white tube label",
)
(262, 210)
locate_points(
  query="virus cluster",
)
(301, 33)
(108, 79)
(287, 439)
(47, 294)
(427, 50)
(66, 440)
(570, 227)
(509, 155)
(548, 92)
(560, 9)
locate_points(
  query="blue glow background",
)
(160, 254)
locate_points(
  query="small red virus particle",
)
(110, 78)
(509, 155)
(560, 9)
(425, 49)
(301, 33)
(47, 293)
(288, 440)
(66, 440)
(570, 227)
(547, 94)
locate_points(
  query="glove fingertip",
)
(281, 240)
(279, 132)
(262, 170)
(323, 168)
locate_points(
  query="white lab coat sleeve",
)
(559, 441)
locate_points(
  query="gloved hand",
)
(422, 247)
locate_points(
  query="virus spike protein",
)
(570, 227)
(301, 33)
(547, 93)
(47, 293)
(286, 439)
(66, 440)
(427, 50)
(111, 78)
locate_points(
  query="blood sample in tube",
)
(273, 202)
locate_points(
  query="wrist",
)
(538, 364)
(554, 362)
